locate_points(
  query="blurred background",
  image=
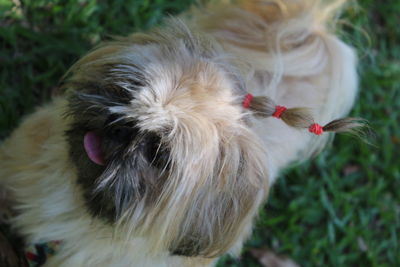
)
(340, 209)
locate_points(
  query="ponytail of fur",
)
(301, 118)
(346, 125)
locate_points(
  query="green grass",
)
(341, 209)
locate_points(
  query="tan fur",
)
(222, 160)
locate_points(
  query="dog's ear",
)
(132, 171)
(220, 213)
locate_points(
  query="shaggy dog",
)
(158, 154)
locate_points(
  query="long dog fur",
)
(181, 87)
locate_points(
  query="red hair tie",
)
(247, 100)
(316, 129)
(278, 111)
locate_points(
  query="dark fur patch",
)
(133, 160)
(11, 248)
(133, 157)
(188, 249)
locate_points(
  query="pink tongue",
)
(92, 144)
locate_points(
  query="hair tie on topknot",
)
(247, 100)
(278, 111)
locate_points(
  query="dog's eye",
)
(122, 134)
(120, 130)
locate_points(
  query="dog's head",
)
(161, 142)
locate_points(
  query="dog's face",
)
(176, 160)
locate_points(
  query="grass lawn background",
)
(341, 209)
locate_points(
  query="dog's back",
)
(290, 52)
